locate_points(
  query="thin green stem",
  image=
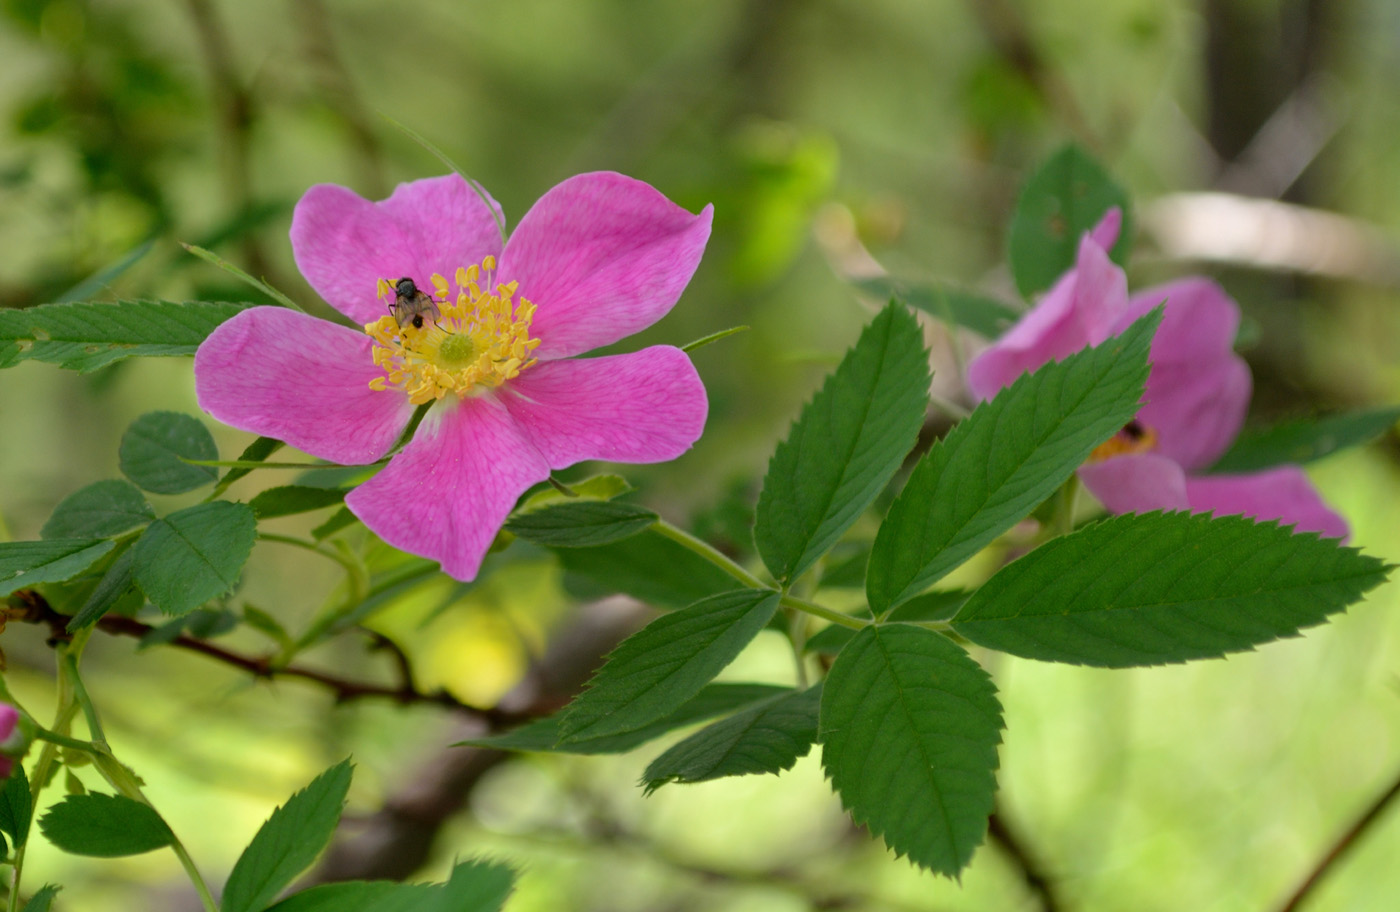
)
(1064, 510)
(351, 567)
(80, 694)
(797, 636)
(823, 612)
(53, 737)
(709, 553)
(205, 897)
(949, 407)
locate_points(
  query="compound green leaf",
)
(1005, 458)
(1164, 587)
(154, 447)
(648, 566)
(189, 557)
(119, 579)
(657, 669)
(104, 826)
(711, 701)
(1304, 440)
(909, 727)
(845, 446)
(581, 523)
(473, 886)
(87, 335)
(288, 842)
(1066, 197)
(767, 737)
(42, 901)
(99, 510)
(16, 806)
(27, 563)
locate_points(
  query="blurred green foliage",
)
(829, 135)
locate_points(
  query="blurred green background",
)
(825, 133)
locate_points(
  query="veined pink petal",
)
(1105, 233)
(447, 493)
(344, 244)
(1199, 390)
(602, 256)
(284, 374)
(646, 406)
(1136, 483)
(1283, 493)
(1079, 310)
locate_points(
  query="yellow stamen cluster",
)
(479, 341)
(1132, 439)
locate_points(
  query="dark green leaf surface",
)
(338, 520)
(288, 842)
(100, 510)
(16, 806)
(1164, 587)
(765, 738)
(909, 727)
(119, 579)
(581, 523)
(191, 556)
(104, 826)
(87, 335)
(289, 499)
(984, 315)
(257, 451)
(657, 669)
(930, 606)
(1066, 197)
(845, 446)
(43, 900)
(474, 886)
(27, 563)
(649, 567)
(1304, 440)
(711, 701)
(153, 447)
(1004, 459)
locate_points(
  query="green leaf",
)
(982, 314)
(1164, 587)
(910, 726)
(257, 451)
(202, 623)
(711, 701)
(473, 886)
(119, 579)
(339, 520)
(1066, 197)
(104, 826)
(1304, 440)
(931, 606)
(153, 448)
(657, 669)
(288, 499)
(100, 510)
(43, 900)
(16, 806)
(765, 738)
(288, 842)
(581, 524)
(189, 557)
(88, 335)
(845, 446)
(1004, 459)
(594, 487)
(263, 622)
(27, 563)
(649, 567)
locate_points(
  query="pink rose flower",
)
(597, 258)
(1197, 393)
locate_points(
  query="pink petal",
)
(1199, 389)
(1136, 484)
(9, 718)
(602, 256)
(344, 244)
(286, 375)
(646, 406)
(1079, 310)
(447, 493)
(1105, 233)
(1283, 493)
